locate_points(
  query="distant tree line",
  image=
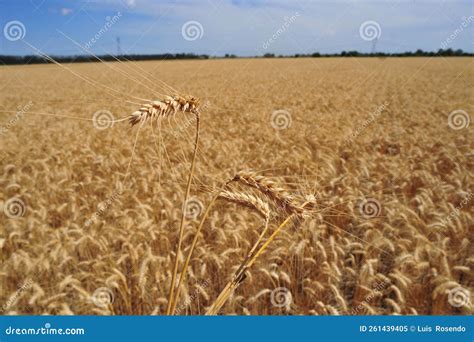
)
(34, 59)
(417, 53)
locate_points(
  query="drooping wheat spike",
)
(270, 189)
(163, 108)
(267, 188)
(247, 200)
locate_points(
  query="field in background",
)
(372, 139)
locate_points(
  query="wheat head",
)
(163, 108)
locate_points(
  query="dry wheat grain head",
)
(164, 108)
(247, 200)
(271, 190)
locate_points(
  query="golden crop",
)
(381, 148)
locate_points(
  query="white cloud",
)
(66, 11)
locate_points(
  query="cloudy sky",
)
(242, 27)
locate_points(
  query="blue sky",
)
(243, 27)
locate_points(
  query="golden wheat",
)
(413, 258)
(170, 105)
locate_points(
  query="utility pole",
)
(119, 49)
(374, 44)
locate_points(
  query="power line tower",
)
(119, 48)
(374, 44)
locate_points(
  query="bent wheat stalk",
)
(251, 258)
(163, 108)
(267, 188)
(193, 245)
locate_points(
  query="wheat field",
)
(382, 148)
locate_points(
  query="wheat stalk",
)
(239, 276)
(268, 188)
(163, 108)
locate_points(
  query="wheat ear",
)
(263, 185)
(269, 188)
(163, 108)
(247, 200)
